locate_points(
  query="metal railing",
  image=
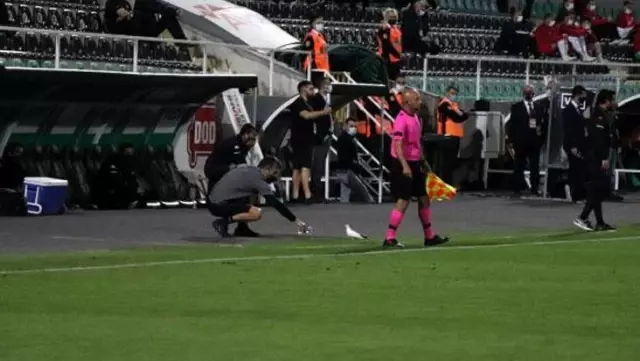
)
(617, 69)
(58, 35)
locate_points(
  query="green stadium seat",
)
(31, 63)
(493, 7)
(48, 64)
(64, 64)
(3, 61)
(109, 66)
(538, 10)
(17, 63)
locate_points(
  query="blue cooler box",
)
(45, 195)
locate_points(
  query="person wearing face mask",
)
(228, 198)
(626, 21)
(525, 131)
(315, 42)
(515, 37)
(569, 7)
(450, 123)
(302, 139)
(575, 141)
(596, 160)
(601, 27)
(389, 38)
(323, 129)
(550, 41)
(228, 154)
(347, 164)
(415, 28)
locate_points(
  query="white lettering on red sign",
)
(201, 134)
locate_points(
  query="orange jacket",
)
(447, 126)
(319, 57)
(389, 38)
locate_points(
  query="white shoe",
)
(588, 59)
(583, 224)
(569, 58)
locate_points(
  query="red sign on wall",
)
(201, 134)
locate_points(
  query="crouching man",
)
(229, 198)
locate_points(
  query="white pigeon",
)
(351, 233)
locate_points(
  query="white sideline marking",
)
(308, 256)
(81, 239)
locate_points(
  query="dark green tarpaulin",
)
(364, 65)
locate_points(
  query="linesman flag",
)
(437, 189)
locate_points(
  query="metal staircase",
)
(376, 175)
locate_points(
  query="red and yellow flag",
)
(437, 189)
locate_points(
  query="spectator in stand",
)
(118, 16)
(155, 16)
(347, 164)
(572, 30)
(568, 6)
(550, 41)
(389, 38)
(516, 36)
(626, 22)
(601, 27)
(593, 45)
(415, 28)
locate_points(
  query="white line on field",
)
(310, 256)
(81, 239)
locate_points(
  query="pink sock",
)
(425, 218)
(394, 222)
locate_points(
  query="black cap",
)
(577, 90)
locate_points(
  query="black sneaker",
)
(392, 243)
(243, 230)
(221, 226)
(435, 241)
(603, 227)
(583, 224)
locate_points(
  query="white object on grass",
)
(351, 233)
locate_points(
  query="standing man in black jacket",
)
(414, 27)
(323, 129)
(526, 133)
(227, 154)
(575, 141)
(596, 161)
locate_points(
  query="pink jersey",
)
(408, 129)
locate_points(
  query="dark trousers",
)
(320, 152)
(597, 189)
(523, 155)
(450, 150)
(605, 31)
(577, 176)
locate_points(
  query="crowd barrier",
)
(501, 78)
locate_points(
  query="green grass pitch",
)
(566, 296)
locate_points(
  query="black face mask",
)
(528, 96)
(393, 22)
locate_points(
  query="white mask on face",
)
(328, 88)
(421, 13)
(519, 19)
(592, 7)
(569, 6)
(627, 11)
(352, 131)
(319, 27)
(570, 22)
(552, 23)
(399, 87)
(587, 26)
